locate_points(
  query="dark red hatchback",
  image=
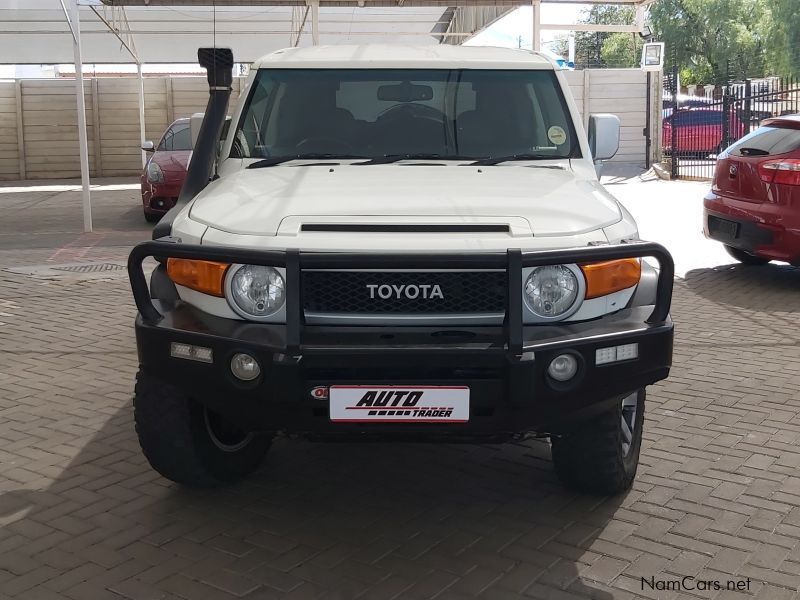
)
(162, 177)
(753, 207)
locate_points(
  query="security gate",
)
(695, 129)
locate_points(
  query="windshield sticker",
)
(556, 135)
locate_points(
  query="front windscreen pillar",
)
(536, 5)
(315, 21)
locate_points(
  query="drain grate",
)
(107, 269)
(90, 268)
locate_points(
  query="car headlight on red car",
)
(154, 173)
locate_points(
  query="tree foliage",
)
(589, 44)
(711, 41)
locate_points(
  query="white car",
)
(398, 242)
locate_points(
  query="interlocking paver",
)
(82, 515)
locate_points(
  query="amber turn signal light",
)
(611, 276)
(201, 275)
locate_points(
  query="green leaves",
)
(713, 40)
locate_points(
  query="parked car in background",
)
(165, 171)
(753, 207)
(685, 101)
(700, 131)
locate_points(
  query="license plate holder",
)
(399, 404)
(722, 228)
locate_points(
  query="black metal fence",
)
(696, 128)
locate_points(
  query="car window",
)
(377, 112)
(698, 117)
(177, 137)
(767, 140)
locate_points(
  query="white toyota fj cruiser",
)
(404, 243)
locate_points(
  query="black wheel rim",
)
(225, 436)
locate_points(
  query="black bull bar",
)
(513, 261)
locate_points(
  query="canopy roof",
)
(37, 32)
(170, 31)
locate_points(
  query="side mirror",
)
(148, 146)
(603, 136)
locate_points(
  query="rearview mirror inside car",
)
(405, 92)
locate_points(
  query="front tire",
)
(601, 455)
(745, 257)
(152, 217)
(189, 444)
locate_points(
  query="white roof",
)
(400, 56)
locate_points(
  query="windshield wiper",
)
(277, 160)
(393, 158)
(494, 160)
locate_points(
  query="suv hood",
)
(547, 201)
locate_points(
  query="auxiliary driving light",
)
(245, 367)
(604, 356)
(563, 367)
(189, 352)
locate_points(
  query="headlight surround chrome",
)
(257, 293)
(552, 292)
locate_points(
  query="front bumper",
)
(158, 198)
(762, 229)
(505, 367)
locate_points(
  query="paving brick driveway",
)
(83, 517)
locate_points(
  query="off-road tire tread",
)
(163, 425)
(589, 458)
(168, 435)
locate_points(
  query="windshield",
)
(435, 113)
(177, 137)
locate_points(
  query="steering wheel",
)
(331, 145)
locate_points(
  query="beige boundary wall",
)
(39, 135)
(38, 123)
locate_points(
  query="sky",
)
(507, 31)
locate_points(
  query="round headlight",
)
(257, 291)
(551, 290)
(154, 173)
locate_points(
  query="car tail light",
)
(203, 276)
(611, 276)
(785, 171)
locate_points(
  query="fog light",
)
(189, 352)
(563, 367)
(245, 367)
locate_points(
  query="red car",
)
(754, 203)
(699, 130)
(162, 177)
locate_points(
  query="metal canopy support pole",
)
(315, 22)
(536, 5)
(142, 132)
(83, 142)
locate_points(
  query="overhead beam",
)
(362, 3)
(591, 27)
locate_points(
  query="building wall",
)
(622, 92)
(39, 134)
